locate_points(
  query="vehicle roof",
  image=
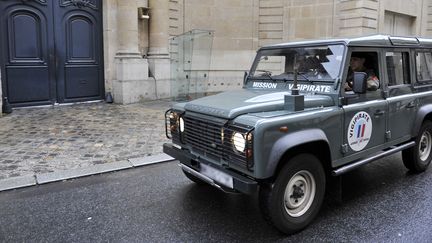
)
(365, 41)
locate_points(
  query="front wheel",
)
(418, 158)
(294, 199)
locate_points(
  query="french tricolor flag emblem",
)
(360, 130)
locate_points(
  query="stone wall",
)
(176, 17)
(241, 27)
(357, 18)
(427, 11)
(271, 22)
(125, 44)
(411, 8)
(309, 19)
(235, 24)
(366, 17)
(110, 42)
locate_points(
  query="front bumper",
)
(219, 176)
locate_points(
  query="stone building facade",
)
(240, 28)
(136, 34)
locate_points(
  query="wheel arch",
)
(424, 113)
(312, 141)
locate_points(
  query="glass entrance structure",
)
(190, 57)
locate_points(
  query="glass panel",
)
(190, 64)
(424, 66)
(322, 63)
(272, 64)
(397, 68)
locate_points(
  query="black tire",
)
(272, 196)
(418, 158)
(194, 178)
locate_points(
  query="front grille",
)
(205, 137)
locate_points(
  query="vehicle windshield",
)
(319, 63)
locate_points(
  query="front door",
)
(51, 51)
(365, 115)
(365, 125)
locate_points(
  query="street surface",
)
(381, 203)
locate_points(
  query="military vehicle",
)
(307, 113)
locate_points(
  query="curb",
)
(40, 179)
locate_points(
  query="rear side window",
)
(397, 68)
(424, 66)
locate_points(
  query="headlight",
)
(181, 124)
(173, 115)
(239, 141)
(172, 122)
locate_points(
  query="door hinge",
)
(388, 135)
(344, 148)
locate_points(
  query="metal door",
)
(51, 51)
(27, 45)
(365, 125)
(79, 50)
(366, 115)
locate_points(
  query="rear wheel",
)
(294, 199)
(418, 158)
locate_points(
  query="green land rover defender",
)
(308, 112)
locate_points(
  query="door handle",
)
(379, 113)
(410, 105)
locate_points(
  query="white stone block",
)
(160, 68)
(133, 91)
(133, 83)
(132, 68)
(163, 88)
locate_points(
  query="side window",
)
(397, 68)
(363, 62)
(424, 66)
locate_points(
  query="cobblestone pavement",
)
(40, 140)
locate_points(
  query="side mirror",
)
(360, 82)
(245, 77)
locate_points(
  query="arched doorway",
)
(51, 51)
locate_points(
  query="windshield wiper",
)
(301, 75)
(266, 74)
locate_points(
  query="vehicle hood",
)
(231, 104)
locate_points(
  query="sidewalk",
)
(37, 141)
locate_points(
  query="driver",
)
(357, 64)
